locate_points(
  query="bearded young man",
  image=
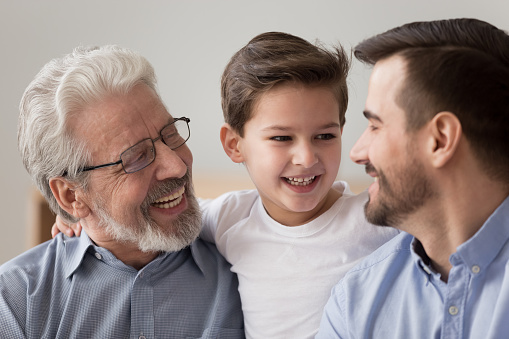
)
(103, 149)
(437, 145)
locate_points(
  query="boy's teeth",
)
(171, 200)
(376, 179)
(300, 181)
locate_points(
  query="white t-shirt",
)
(286, 273)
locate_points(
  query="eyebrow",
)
(371, 116)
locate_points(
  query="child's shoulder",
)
(348, 197)
(231, 200)
(228, 207)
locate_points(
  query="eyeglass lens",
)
(143, 153)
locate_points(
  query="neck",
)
(454, 217)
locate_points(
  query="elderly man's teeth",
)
(171, 200)
(300, 181)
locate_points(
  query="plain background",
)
(188, 43)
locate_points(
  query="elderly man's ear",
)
(69, 198)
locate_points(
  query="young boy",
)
(290, 240)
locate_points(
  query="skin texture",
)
(294, 132)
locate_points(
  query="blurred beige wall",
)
(189, 43)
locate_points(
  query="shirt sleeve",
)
(12, 304)
(333, 324)
(221, 213)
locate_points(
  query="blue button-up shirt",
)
(395, 294)
(70, 288)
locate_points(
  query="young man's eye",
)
(372, 127)
(281, 138)
(326, 136)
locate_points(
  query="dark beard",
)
(398, 200)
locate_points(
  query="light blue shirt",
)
(70, 288)
(395, 294)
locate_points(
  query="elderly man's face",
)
(129, 205)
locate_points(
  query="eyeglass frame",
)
(187, 120)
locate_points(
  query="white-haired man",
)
(103, 149)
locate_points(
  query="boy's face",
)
(292, 151)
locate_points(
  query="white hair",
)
(59, 92)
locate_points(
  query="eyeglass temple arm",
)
(85, 169)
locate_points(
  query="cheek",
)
(331, 157)
(129, 193)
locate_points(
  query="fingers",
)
(77, 228)
(61, 226)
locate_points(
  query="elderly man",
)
(102, 148)
(437, 145)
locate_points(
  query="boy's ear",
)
(445, 137)
(230, 140)
(69, 199)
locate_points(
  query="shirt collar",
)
(484, 246)
(76, 248)
(198, 255)
(420, 257)
(480, 250)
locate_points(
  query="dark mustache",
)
(370, 168)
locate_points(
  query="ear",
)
(445, 137)
(69, 198)
(231, 143)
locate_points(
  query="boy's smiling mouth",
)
(300, 181)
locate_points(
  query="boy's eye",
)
(281, 138)
(326, 136)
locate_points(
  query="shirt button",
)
(476, 269)
(453, 310)
(98, 256)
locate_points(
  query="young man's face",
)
(390, 153)
(292, 150)
(127, 204)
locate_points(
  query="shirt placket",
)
(455, 300)
(142, 307)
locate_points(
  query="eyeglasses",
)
(142, 154)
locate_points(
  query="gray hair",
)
(60, 92)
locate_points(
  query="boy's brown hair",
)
(273, 58)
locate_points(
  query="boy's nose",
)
(305, 155)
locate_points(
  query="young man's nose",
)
(359, 153)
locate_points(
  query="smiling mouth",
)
(171, 200)
(300, 181)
